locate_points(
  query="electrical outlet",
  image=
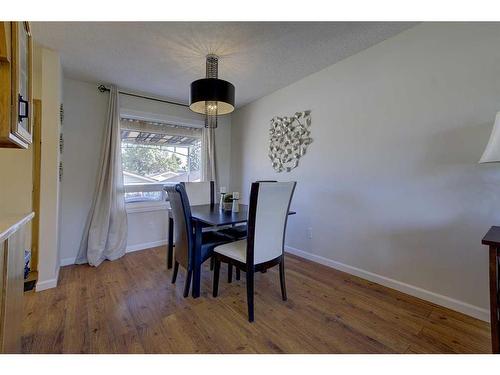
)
(310, 233)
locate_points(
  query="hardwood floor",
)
(130, 306)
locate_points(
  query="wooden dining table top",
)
(214, 216)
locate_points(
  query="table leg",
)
(495, 343)
(197, 259)
(170, 249)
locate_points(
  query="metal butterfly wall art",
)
(288, 140)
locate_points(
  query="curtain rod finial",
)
(102, 88)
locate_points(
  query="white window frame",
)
(162, 204)
(146, 206)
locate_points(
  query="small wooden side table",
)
(492, 239)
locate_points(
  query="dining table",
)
(203, 216)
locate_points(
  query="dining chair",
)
(264, 246)
(198, 193)
(202, 192)
(184, 235)
(239, 232)
(236, 233)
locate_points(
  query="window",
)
(156, 154)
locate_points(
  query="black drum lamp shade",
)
(212, 96)
(209, 92)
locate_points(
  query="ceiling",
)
(163, 58)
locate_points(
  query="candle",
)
(235, 207)
(222, 196)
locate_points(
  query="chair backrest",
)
(183, 226)
(267, 218)
(200, 192)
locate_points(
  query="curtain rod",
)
(103, 88)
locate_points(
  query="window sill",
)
(136, 207)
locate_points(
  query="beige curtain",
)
(105, 233)
(208, 170)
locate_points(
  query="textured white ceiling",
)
(163, 58)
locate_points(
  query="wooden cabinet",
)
(16, 84)
(5, 44)
(12, 244)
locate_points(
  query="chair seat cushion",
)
(209, 240)
(236, 233)
(235, 250)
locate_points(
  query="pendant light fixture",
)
(212, 96)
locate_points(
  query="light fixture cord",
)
(212, 66)
(212, 71)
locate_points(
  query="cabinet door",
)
(22, 51)
(5, 43)
(13, 292)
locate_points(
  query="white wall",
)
(16, 180)
(391, 186)
(51, 95)
(85, 115)
(147, 227)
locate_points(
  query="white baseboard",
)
(67, 261)
(145, 245)
(47, 284)
(439, 299)
(129, 249)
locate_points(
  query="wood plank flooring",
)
(130, 306)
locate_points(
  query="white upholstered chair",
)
(200, 192)
(264, 245)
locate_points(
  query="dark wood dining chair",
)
(184, 235)
(236, 233)
(198, 193)
(201, 192)
(264, 246)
